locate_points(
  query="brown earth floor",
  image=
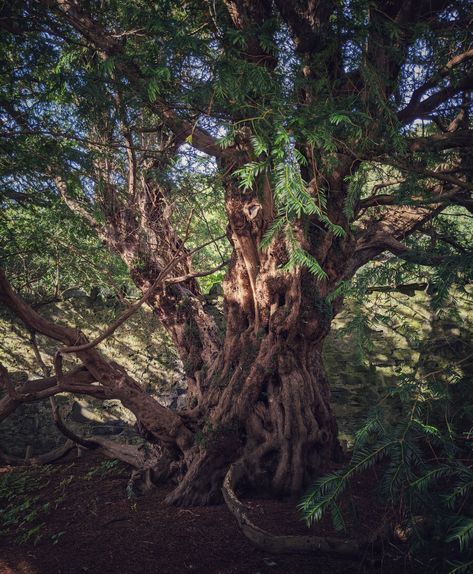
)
(91, 527)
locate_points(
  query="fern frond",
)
(276, 228)
(423, 483)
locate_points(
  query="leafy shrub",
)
(426, 475)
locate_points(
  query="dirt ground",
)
(87, 525)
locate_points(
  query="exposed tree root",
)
(66, 431)
(149, 464)
(275, 543)
(45, 458)
(201, 485)
(136, 456)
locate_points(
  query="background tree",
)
(331, 133)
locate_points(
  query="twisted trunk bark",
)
(268, 405)
(261, 394)
(266, 398)
(262, 398)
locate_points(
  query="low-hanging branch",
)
(76, 381)
(114, 381)
(161, 279)
(55, 411)
(40, 459)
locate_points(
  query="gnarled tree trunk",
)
(269, 404)
(258, 391)
(265, 399)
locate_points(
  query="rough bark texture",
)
(265, 398)
(258, 392)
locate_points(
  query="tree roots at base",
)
(276, 543)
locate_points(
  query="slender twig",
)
(183, 278)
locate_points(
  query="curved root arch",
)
(46, 458)
(276, 543)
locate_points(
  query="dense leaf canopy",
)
(96, 94)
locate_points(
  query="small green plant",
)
(66, 482)
(21, 506)
(33, 534)
(102, 469)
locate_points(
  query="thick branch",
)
(389, 243)
(417, 109)
(40, 389)
(165, 425)
(397, 223)
(441, 141)
(437, 196)
(39, 459)
(416, 106)
(107, 45)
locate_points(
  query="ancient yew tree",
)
(332, 134)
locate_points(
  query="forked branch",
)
(166, 426)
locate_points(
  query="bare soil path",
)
(89, 526)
